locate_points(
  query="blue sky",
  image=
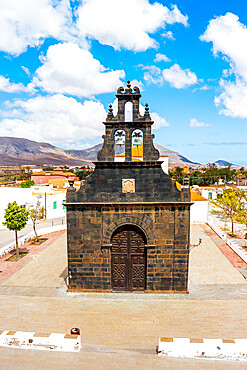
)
(62, 61)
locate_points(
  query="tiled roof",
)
(193, 195)
(196, 197)
(53, 173)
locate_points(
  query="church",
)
(128, 226)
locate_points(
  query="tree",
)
(229, 204)
(82, 173)
(27, 184)
(241, 215)
(36, 213)
(16, 218)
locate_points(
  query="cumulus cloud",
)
(7, 86)
(178, 77)
(233, 100)
(229, 39)
(56, 119)
(28, 22)
(161, 58)
(194, 123)
(68, 69)
(168, 35)
(153, 75)
(125, 24)
(158, 121)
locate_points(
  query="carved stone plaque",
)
(128, 185)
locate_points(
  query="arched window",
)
(128, 112)
(119, 150)
(137, 145)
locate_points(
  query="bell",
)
(137, 140)
(120, 141)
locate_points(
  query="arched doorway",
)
(128, 259)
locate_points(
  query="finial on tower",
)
(110, 111)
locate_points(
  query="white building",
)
(200, 208)
(52, 200)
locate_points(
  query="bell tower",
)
(119, 122)
(128, 224)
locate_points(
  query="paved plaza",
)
(121, 330)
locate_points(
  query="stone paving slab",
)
(124, 331)
(121, 330)
(208, 265)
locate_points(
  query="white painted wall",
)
(164, 165)
(9, 195)
(54, 205)
(206, 193)
(28, 196)
(199, 212)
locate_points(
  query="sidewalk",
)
(10, 270)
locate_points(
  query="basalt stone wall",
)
(151, 184)
(89, 237)
(128, 193)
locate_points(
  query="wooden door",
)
(128, 259)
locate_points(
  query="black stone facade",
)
(156, 207)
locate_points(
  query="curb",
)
(202, 348)
(40, 341)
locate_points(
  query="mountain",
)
(175, 159)
(17, 151)
(222, 163)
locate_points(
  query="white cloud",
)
(233, 100)
(26, 70)
(168, 35)
(229, 37)
(55, 119)
(161, 58)
(194, 123)
(7, 86)
(68, 69)
(158, 121)
(153, 75)
(178, 77)
(28, 22)
(137, 83)
(125, 24)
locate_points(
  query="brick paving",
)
(8, 268)
(225, 249)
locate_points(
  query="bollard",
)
(75, 331)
